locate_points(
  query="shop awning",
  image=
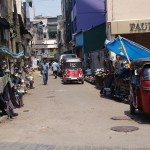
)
(21, 54)
(11, 54)
(94, 38)
(133, 50)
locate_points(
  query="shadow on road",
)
(139, 117)
(71, 83)
(113, 99)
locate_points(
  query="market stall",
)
(7, 98)
(126, 51)
(89, 76)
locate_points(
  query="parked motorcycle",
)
(18, 94)
(29, 80)
(18, 88)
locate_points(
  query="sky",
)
(47, 7)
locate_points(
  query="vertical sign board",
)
(34, 63)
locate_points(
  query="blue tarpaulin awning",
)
(11, 54)
(133, 50)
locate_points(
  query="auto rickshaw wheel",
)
(82, 81)
(132, 109)
(64, 82)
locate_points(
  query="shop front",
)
(134, 30)
(93, 43)
(44, 51)
(94, 40)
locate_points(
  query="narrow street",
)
(71, 116)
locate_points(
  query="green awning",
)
(94, 38)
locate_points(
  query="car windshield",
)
(146, 72)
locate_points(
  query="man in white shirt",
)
(55, 67)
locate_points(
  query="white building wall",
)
(128, 10)
(44, 44)
(18, 3)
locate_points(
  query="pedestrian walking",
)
(55, 67)
(44, 70)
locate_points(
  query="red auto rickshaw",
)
(72, 70)
(140, 86)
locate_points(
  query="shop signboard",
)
(130, 27)
(140, 26)
(34, 63)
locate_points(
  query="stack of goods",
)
(100, 72)
(99, 78)
(89, 76)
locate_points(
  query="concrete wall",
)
(128, 10)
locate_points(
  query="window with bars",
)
(52, 35)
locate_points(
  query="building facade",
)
(6, 18)
(45, 37)
(52, 37)
(15, 36)
(86, 14)
(123, 19)
(60, 35)
(13, 26)
(67, 46)
(25, 25)
(88, 30)
(89, 46)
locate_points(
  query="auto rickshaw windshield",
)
(146, 72)
(73, 65)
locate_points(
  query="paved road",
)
(18, 146)
(72, 117)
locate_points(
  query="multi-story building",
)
(39, 46)
(5, 20)
(88, 30)
(15, 36)
(86, 14)
(45, 37)
(10, 27)
(123, 19)
(24, 34)
(67, 46)
(52, 36)
(60, 34)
